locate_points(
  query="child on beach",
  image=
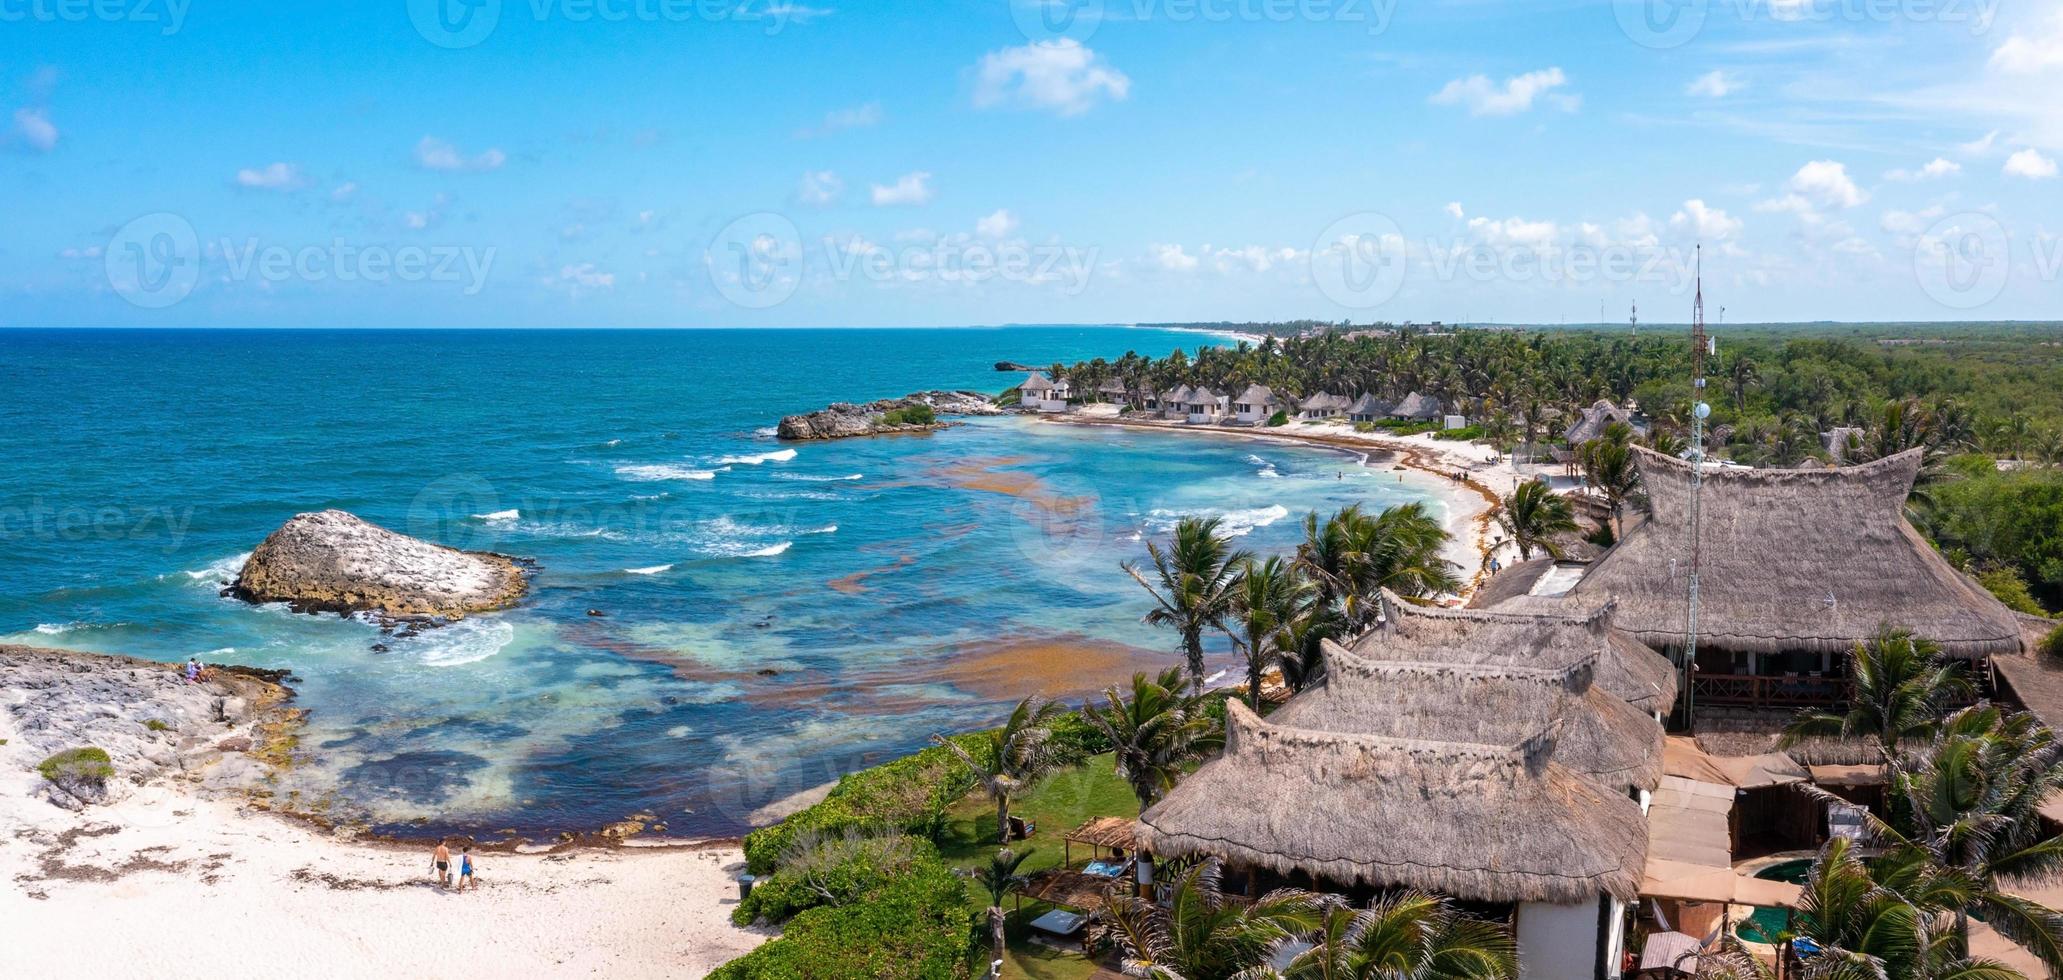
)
(465, 867)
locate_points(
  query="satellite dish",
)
(1702, 410)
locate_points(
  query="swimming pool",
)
(1765, 924)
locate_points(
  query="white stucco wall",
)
(1557, 942)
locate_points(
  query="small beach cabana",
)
(1368, 408)
(1796, 568)
(1256, 404)
(1205, 406)
(1417, 408)
(1113, 391)
(1042, 394)
(1322, 405)
(1174, 403)
(1591, 422)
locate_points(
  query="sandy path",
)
(166, 885)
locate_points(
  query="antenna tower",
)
(1701, 347)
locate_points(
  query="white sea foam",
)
(1233, 523)
(464, 642)
(819, 477)
(649, 472)
(1267, 470)
(754, 459)
(222, 571)
(56, 629)
(648, 570)
(499, 517)
(769, 551)
(613, 443)
(766, 432)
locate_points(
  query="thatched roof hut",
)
(1556, 640)
(1591, 422)
(1036, 383)
(1791, 560)
(1476, 822)
(1368, 408)
(1593, 732)
(1417, 407)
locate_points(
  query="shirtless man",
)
(440, 862)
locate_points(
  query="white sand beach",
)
(1428, 464)
(183, 877)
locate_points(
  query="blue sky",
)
(776, 162)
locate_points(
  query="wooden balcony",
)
(1769, 692)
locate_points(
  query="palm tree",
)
(1351, 557)
(1266, 599)
(1608, 466)
(1000, 878)
(1152, 732)
(1887, 918)
(1201, 934)
(1408, 935)
(1303, 660)
(1194, 592)
(1741, 375)
(1014, 758)
(1533, 515)
(1902, 689)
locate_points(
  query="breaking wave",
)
(648, 472)
(754, 459)
(1233, 523)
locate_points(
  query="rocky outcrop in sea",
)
(844, 420)
(331, 561)
(223, 735)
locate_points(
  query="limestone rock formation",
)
(844, 420)
(331, 561)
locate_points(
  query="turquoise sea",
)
(773, 615)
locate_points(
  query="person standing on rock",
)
(440, 862)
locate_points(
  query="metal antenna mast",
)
(1701, 347)
(1633, 320)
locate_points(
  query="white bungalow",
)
(1174, 403)
(1040, 394)
(1368, 408)
(1113, 391)
(1205, 406)
(1256, 405)
(1323, 405)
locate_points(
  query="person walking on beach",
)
(440, 863)
(465, 867)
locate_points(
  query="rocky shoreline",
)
(845, 420)
(225, 736)
(332, 561)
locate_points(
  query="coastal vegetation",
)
(1976, 398)
(1533, 516)
(84, 766)
(1010, 759)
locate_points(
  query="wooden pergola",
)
(1116, 834)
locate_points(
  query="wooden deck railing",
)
(1754, 691)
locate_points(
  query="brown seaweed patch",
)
(1061, 665)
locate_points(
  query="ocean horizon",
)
(766, 616)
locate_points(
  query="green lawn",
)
(1061, 803)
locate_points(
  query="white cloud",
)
(839, 120)
(820, 188)
(1827, 184)
(1704, 223)
(1980, 147)
(2031, 164)
(1454, 209)
(435, 154)
(344, 191)
(1515, 232)
(1059, 76)
(586, 276)
(1911, 222)
(909, 189)
(1938, 167)
(271, 177)
(2024, 54)
(1173, 258)
(1485, 98)
(36, 129)
(997, 225)
(1714, 85)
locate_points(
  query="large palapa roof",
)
(1476, 822)
(1557, 639)
(1592, 732)
(1813, 560)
